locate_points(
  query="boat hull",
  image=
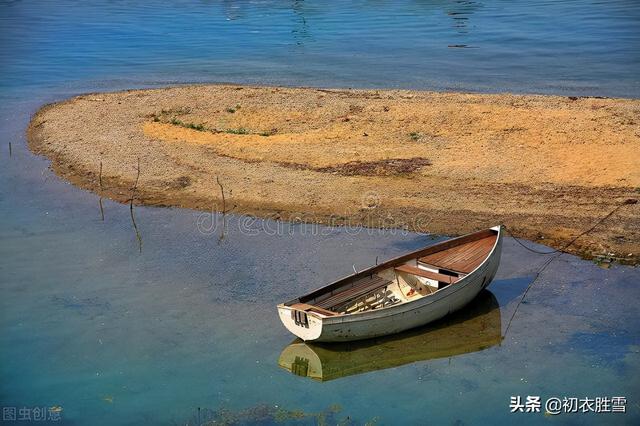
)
(397, 318)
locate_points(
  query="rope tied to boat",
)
(557, 253)
(626, 202)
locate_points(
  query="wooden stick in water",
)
(224, 211)
(133, 196)
(100, 199)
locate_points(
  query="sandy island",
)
(548, 167)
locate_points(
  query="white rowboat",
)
(405, 292)
(475, 328)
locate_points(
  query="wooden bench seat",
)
(358, 288)
(310, 308)
(427, 274)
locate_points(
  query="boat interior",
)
(407, 278)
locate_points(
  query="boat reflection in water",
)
(474, 328)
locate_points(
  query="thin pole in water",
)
(224, 211)
(100, 200)
(133, 196)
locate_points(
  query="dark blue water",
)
(118, 336)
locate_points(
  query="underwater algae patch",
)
(263, 414)
(547, 166)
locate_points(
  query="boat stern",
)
(306, 325)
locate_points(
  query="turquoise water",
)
(118, 336)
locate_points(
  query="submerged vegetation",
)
(264, 414)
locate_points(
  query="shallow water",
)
(118, 336)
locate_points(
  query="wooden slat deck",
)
(427, 274)
(463, 258)
(359, 288)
